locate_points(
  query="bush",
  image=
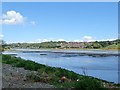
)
(88, 84)
(32, 77)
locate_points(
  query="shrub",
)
(88, 84)
(32, 77)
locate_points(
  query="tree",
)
(96, 45)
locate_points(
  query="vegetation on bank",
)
(58, 77)
(113, 47)
(65, 45)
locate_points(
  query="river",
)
(103, 67)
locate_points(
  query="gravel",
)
(13, 77)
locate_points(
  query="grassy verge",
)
(113, 47)
(60, 78)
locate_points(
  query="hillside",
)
(66, 45)
(113, 46)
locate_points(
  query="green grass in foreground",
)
(53, 75)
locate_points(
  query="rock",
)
(63, 79)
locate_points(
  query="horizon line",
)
(57, 41)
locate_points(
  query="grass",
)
(54, 75)
(113, 47)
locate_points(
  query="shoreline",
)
(92, 52)
(71, 77)
(65, 49)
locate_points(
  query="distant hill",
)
(113, 46)
(67, 45)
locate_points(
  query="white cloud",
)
(1, 36)
(88, 39)
(60, 40)
(11, 41)
(12, 17)
(76, 40)
(47, 40)
(42, 40)
(107, 39)
(91, 39)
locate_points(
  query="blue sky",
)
(36, 22)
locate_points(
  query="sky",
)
(62, 21)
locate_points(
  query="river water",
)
(105, 67)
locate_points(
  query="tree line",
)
(62, 44)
